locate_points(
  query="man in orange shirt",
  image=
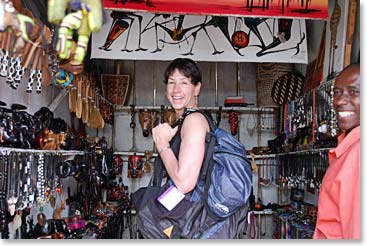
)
(338, 214)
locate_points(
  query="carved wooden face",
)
(147, 119)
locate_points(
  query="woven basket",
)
(266, 75)
(115, 87)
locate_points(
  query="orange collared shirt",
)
(338, 215)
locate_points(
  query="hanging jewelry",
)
(333, 122)
(41, 183)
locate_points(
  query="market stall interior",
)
(81, 87)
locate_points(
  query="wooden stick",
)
(79, 103)
(41, 58)
(38, 51)
(72, 95)
(85, 112)
(26, 50)
(352, 13)
(8, 41)
(28, 57)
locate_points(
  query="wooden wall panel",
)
(161, 98)
(226, 81)
(144, 80)
(247, 81)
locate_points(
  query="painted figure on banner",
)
(203, 37)
(119, 25)
(283, 35)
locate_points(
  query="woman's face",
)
(181, 92)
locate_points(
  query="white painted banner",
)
(147, 36)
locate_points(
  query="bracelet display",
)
(164, 149)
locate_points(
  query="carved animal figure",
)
(147, 120)
(57, 211)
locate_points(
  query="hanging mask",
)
(118, 162)
(135, 167)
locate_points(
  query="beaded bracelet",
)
(164, 149)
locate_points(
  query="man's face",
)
(346, 98)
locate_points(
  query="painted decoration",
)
(315, 9)
(335, 39)
(147, 36)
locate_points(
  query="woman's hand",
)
(162, 135)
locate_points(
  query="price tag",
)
(171, 197)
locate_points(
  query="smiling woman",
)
(183, 83)
(182, 206)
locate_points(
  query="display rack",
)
(265, 156)
(239, 109)
(5, 150)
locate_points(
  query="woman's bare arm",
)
(184, 172)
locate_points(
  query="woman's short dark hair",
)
(187, 67)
